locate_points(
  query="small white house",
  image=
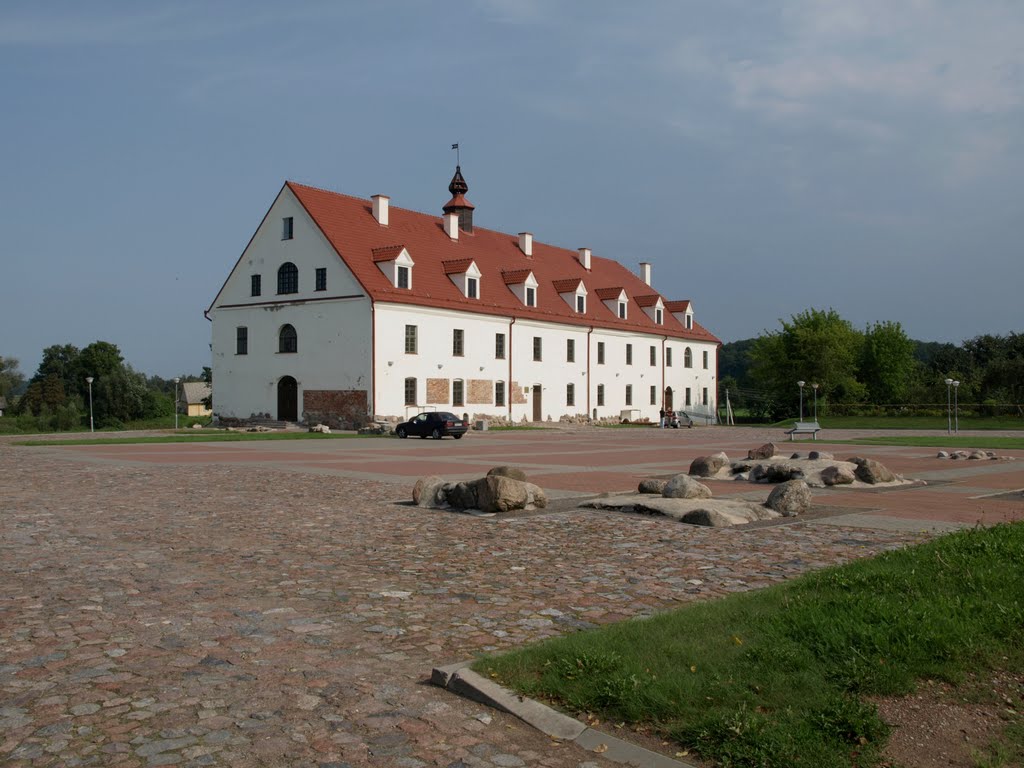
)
(343, 309)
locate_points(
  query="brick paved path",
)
(241, 606)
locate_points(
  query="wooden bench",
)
(811, 428)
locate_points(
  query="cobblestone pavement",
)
(235, 614)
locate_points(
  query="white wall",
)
(334, 334)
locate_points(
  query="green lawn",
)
(906, 422)
(778, 677)
(943, 441)
(198, 437)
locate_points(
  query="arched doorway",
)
(287, 399)
(668, 399)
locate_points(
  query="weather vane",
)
(456, 148)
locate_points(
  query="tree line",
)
(878, 369)
(56, 397)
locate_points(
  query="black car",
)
(435, 424)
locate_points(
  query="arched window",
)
(687, 358)
(288, 278)
(287, 339)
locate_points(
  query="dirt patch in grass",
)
(975, 725)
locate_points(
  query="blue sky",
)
(765, 157)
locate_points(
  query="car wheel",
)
(436, 434)
(401, 433)
(457, 437)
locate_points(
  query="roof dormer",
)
(682, 311)
(396, 264)
(616, 300)
(573, 292)
(653, 307)
(523, 284)
(466, 276)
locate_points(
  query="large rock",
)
(819, 455)
(514, 472)
(685, 487)
(462, 495)
(708, 466)
(741, 466)
(871, 471)
(791, 498)
(497, 493)
(766, 451)
(778, 472)
(650, 485)
(715, 518)
(837, 475)
(429, 491)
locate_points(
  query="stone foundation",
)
(337, 408)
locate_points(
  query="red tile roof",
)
(677, 306)
(456, 267)
(387, 252)
(647, 301)
(516, 276)
(568, 285)
(610, 294)
(348, 224)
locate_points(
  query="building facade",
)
(342, 310)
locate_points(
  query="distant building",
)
(3, 405)
(191, 397)
(343, 309)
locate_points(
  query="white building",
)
(343, 309)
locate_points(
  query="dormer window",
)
(689, 322)
(523, 284)
(581, 304)
(531, 297)
(622, 310)
(573, 292)
(659, 316)
(396, 264)
(615, 299)
(465, 275)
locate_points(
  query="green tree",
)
(887, 365)
(11, 379)
(816, 346)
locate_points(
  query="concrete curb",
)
(461, 680)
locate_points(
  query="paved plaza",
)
(281, 603)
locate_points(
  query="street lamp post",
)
(801, 385)
(815, 388)
(956, 408)
(949, 407)
(89, 380)
(176, 380)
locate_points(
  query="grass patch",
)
(526, 428)
(953, 441)
(774, 678)
(217, 437)
(906, 422)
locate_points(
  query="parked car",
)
(680, 419)
(435, 424)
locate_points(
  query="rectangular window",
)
(688, 402)
(629, 354)
(321, 279)
(403, 277)
(287, 228)
(600, 394)
(471, 287)
(241, 340)
(570, 351)
(570, 394)
(458, 393)
(537, 349)
(499, 346)
(257, 285)
(499, 393)
(659, 316)
(654, 395)
(581, 304)
(458, 342)
(600, 353)
(654, 355)
(689, 321)
(704, 396)
(410, 339)
(629, 394)
(531, 297)
(622, 310)
(705, 361)
(668, 357)
(410, 391)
